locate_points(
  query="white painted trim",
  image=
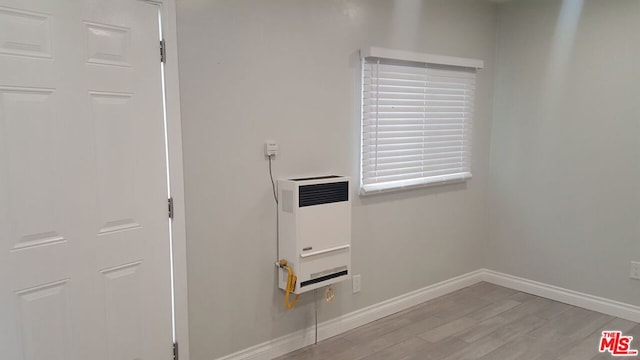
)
(330, 328)
(327, 329)
(392, 54)
(591, 302)
(169, 30)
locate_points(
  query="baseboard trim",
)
(591, 302)
(330, 328)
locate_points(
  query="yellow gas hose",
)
(291, 285)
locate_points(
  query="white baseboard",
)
(327, 329)
(591, 302)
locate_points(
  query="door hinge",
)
(175, 351)
(170, 204)
(163, 52)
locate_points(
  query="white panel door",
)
(84, 241)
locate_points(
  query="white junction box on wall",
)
(314, 230)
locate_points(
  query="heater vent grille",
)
(324, 278)
(316, 194)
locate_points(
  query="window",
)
(416, 119)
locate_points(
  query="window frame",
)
(420, 60)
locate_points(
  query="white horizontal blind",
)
(416, 124)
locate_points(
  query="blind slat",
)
(413, 166)
(373, 148)
(414, 175)
(397, 154)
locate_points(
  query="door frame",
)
(174, 134)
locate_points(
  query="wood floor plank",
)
(483, 329)
(569, 329)
(522, 296)
(414, 329)
(438, 350)
(480, 322)
(376, 329)
(447, 330)
(516, 329)
(323, 350)
(499, 293)
(359, 351)
(522, 348)
(493, 309)
(531, 306)
(398, 351)
(554, 309)
(476, 350)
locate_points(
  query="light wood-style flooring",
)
(483, 321)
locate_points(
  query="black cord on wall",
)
(273, 184)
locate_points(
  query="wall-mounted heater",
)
(315, 230)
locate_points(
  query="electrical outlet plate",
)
(356, 283)
(270, 148)
(634, 272)
(329, 294)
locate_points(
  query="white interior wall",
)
(565, 200)
(288, 70)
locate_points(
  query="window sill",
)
(369, 190)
